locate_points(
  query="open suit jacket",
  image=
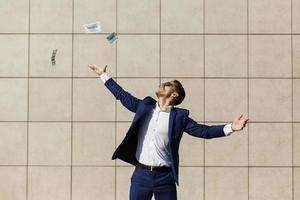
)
(179, 122)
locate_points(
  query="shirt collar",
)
(168, 109)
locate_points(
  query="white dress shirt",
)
(153, 140)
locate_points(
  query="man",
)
(152, 141)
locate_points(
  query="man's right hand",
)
(98, 70)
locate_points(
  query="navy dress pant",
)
(146, 183)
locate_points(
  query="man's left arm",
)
(213, 131)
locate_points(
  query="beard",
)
(160, 93)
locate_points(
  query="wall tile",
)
(270, 183)
(50, 99)
(93, 49)
(277, 151)
(51, 139)
(297, 183)
(226, 16)
(272, 101)
(92, 101)
(41, 50)
(147, 12)
(296, 100)
(296, 55)
(13, 101)
(225, 56)
(190, 183)
(191, 151)
(270, 56)
(123, 182)
(14, 13)
(181, 55)
(132, 53)
(231, 150)
(226, 183)
(296, 143)
(296, 16)
(93, 143)
(269, 16)
(49, 183)
(90, 11)
(13, 143)
(13, 183)
(93, 183)
(51, 16)
(14, 55)
(176, 16)
(225, 99)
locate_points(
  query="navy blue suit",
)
(179, 122)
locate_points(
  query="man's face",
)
(165, 89)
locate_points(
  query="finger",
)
(92, 66)
(240, 116)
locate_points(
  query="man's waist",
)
(163, 168)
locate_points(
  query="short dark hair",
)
(181, 93)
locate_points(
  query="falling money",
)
(112, 37)
(92, 27)
(53, 57)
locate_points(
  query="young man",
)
(152, 141)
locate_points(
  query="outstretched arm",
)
(205, 131)
(127, 100)
(208, 132)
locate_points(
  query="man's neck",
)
(162, 104)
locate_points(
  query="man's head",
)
(172, 91)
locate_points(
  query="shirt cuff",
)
(104, 77)
(227, 129)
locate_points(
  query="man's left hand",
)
(239, 123)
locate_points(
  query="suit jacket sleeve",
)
(203, 131)
(127, 100)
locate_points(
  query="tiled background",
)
(59, 125)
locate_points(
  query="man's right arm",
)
(127, 100)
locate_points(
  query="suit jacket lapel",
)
(171, 122)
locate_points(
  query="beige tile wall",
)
(59, 125)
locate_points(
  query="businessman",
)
(151, 143)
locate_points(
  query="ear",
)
(174, 94)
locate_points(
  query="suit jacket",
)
(179, 122)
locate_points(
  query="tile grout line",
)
(292, 99)
(207, 166)
(253, 122)
(116, 113)
(105, 33)
(166, 77)
(204, 121)
(28, 70)
(248, 102)
(160, 41)
(72, 96)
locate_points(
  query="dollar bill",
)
(112, 37)
(53, 57)
(92, 27)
